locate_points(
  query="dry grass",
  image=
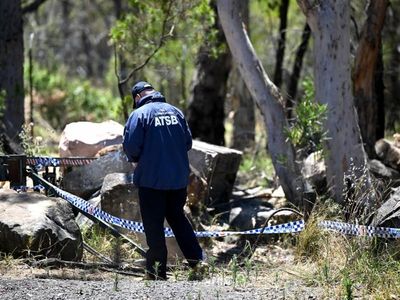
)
(105, 243)
(348, 267)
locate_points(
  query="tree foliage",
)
(163, 34)
(307, 131)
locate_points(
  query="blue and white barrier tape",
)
(138, 227)
(291, 227)
(23, 188)
(360, 230)
(85, 206)
(43, 161)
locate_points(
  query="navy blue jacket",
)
(157, 137)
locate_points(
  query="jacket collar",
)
(153, 97)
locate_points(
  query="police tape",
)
(47, 161)
(23, 188)
(360, 230)
(290, 227)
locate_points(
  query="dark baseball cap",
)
(140, 87)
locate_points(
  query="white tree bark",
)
(267, 97)
(345, 155)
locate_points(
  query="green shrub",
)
(307, 132)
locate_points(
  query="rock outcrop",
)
(34, 224)
(85, 180)
(218, 166)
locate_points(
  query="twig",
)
(56, 263)
(253, 249)
(158, 47)
(94, 252)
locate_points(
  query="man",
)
(157, 138)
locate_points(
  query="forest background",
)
(79, 60)
(64, 61)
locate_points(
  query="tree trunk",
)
(345, 156)
(242, 102)
(68, 51)
(267, 97)
(295, 76)
(208, 91)
(11, 68)
(392, 68)
(122, 65)
(365, 74)
(380, 96)
(280, 53)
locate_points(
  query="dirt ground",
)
(34, 288)
(273, 275)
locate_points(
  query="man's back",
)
(158, 138)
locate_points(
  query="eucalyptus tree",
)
(280, 53)
(243, 133)
(345, 155)
(267, 97)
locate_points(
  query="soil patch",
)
(273, 275)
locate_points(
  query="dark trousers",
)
(155, 206)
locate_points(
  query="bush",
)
(62, 100)
(307, 132)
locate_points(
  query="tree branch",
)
(32, 7)
(160, 43)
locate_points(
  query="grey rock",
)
(380, 170)
(218, 166)
(388, 153)
(84, 222)
(85, 180)
(39, 225)
(119, 196)
(388, 214)
(247, 214)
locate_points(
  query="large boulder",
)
(35, 224)
(85, 139)
(218, 166)
(83, 221)
(85, 180)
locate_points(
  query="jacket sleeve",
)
(133, 138)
